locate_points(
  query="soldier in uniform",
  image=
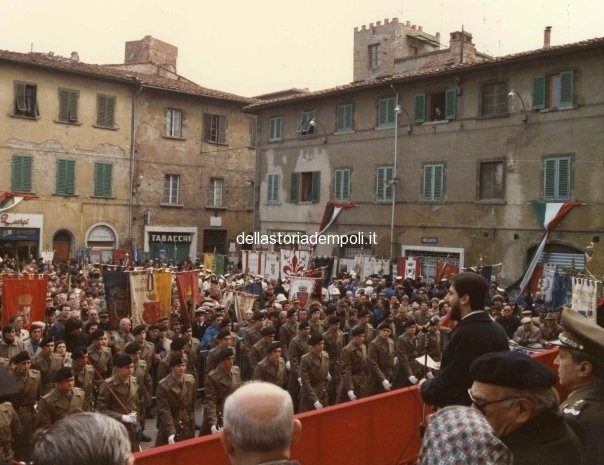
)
(272, 367)
(63, 400)
(581, 370)
(354, 368)
(118, 398)
(219, 383)
(314, 319)
(223, 341)
(251, 335)
(84, 376)
(407, 350)
(287, 332)
(258, 350)
(47, 363)
(10, 344)
(175, 404)
(99, 356)
(177, 347)
(334, 341)
(29, 384)
(191, 349)
(363, 322)
(297, 348)
(10, 426)
(381, 360)
(314, 371)
(143, 379)
(147, 348)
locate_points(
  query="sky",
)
(251, 47)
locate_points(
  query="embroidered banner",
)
(163, 288)
(141, 291)
(24, 295)
(117, 295)
(188, 293)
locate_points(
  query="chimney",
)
(547, 36)
(75, 56)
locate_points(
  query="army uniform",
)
(192, 351)
(84, 380)
(218, 385)
(433, 347)
(55, 406)
(143, 379)
(121, 340)
(316, 326)
(47, 366)
(10, 431)
(354, 366)
(211, 362)
(286, 333)
(297, 349)
(127, 392)
(251, 335)
(163, 367)
(270, 372)
(176, 415)
(381, 363)
(333, 346)
(313, 371)
(29, 387)
(257, 352)
(407, 350)
(369, 332)
(147, 352)
(102, 361)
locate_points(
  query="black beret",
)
(103, 313)
(258, 316)
(315, 339)
(357, 331)
(511, 369)
(72, 323)
(62, 373)
(304, 324)
(133, 348)
(138, 329)
(79, 352)
(363, 312)
(176, 360)
(123, 360)
(20, 357)
(385, 325)
(46, 340)
(272, 346)
(178, 344)
(97, 334)
(314, 309)
(267, 330)
(225, 353)
(334, 320)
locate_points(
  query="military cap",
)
(178, 344)
(527, 312)
(97, 334)
(334, 320)
(357, 331)
(384, 325)
(272, 346)
(363, 312)
(72, 323)
(20, 357)
(258, 316)
(405, 297)
(138, 329)
(526, 319)
(35, 326)
(199, 311)
(133, 348)
(267, 330)
(225, 353)
(62, 373)
(123, 360)
(176, 360)
(512, 369)
(314, 309)
(315, 339)
(581, 333)
(304, 324)
(46, 340)
(79, 352)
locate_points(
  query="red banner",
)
(21, 294)
(187, 283)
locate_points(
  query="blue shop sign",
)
(19, 234)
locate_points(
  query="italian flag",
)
(332, 210)
(9, 200)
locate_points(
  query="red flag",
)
(187, 283)
(21, 293)
(535, 282)
(151, 311)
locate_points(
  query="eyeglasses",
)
(482, 403)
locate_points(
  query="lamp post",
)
(513, 93)
(313, 123)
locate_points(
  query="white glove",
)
(300, 381)
(328, 376)
(351, 395)
(386, 385)
(429, 375)
(395, 360)
(318, 405)
(128, 419)
(413, 379)
(171, 439)
(288, 365)
(214, 429)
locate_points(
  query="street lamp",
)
(313, 123)
(513, 93)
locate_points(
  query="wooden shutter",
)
(383, 112)
(438, 182)
(549, 179)
(73, 106)
(380, 184)
(222, 126)
(341, 118)
(17, 169)
(102, 179)
(428, 179)
(450, 103)
(420, 107)
(101, 105)
(538, 92)
(107, 180)
(566, 89)
(61, 176)
(64, 105)
(21, 174)
(110, 116)
(563, 179)
(337, 191)
(207, 126)
(315, 195)
(20, 104)
(348, 119)
(70, 177)
(346, 185)
(294, 192)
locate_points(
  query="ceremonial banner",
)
(188, 293)
(218, 264)
(446, 270)
(346, 265)
(208, 261)
(243, 302)
(257, 290)
(293, 262)
(411, 267)
(47, 255)
(24, 295)
(163, 289)
(117, 295)
(271, 265)
(142, 292)
(254, 263)
(301, 288)
(547, 283)
(327, 263)
(244, 260)
(585, 297)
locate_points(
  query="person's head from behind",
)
(100, 440)
(467, 292)
(259, 424)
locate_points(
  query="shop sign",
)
(429, 240)
(19, 234)
(170, 238)
(6, 220)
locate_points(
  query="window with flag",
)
(305, 187)
(215, 194)
(305, 128)
(103, 173)
(171, 189)
(215, 128)
(383, 183)
(275, 128)
(68, 105)
(173, 122)
(342, 184)
(21, 173)
(105, 110)
(65, 177)
(386, 112)
(26, 102)
(553, 90)
(273, 188)
(344, 117)
(433, 183)
(557, 178)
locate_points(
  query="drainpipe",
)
(135, 93)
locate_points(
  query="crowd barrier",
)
(383, 429)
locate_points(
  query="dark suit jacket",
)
(474, 336)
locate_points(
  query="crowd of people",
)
(359, 338)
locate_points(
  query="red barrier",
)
(382, 429)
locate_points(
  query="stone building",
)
(478, 141)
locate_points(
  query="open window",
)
(435, 106)
(305, 128)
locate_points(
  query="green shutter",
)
(428, 180)
(20, 104)
(61, 176)
(563, 179)
(549, 179)
(316, 186)
(438, 182)
(98, 179)
(63, 105)
(21, 174)
(70, 177)
(337, 185)
(450, 103)
(73, 106)
(16, 173)
(387, 183)
(420, 107)
(294, 193)
(383, 112)
(538, 92)
(566, 89)
(107, 180)
(102, 179)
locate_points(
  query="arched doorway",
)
(62, 244)
(101, 239)
(560, 255)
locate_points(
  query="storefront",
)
(432, 255)
(171, 244)
(101, 241)
(20, 235)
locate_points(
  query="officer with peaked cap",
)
(581, 369)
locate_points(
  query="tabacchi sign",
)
(4, 221)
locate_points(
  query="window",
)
(383, 183)
(102, 179)
(215, 128)
(374, 56)
(26, 103)
(437, 106)
(253, 130)
(273, 188)
(171, 189)
(105, 111)
(65, 177)
(553, 91)
(173, 122)
(342, 185)
(68, 106)
(556, 178)
(304, 128)
(21, 173)
(494, 99)
(433, 182)
(491, 183)
(305, 187)
(275, 128)
(215, 197)
(344, 118)
(386, 112)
